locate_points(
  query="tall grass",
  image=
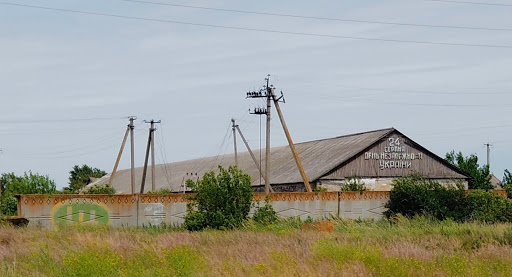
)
(397, 247)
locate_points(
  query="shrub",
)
(415, 195)
(265, 215)
(353, 184)
(489, 207)
(101, 189)
(8, 205)
(221, 201)
(508, 188)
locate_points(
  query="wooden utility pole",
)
(151, 146)
(111, 180)
(290, 142)
(132, 143)
(234, 141)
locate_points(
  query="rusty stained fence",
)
(136, 210)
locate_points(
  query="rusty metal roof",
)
(318, 158)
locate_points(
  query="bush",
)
(265, 215)
(101, 189)
(508, 188)
(414, 195)
(489, 207)
(222, 200)
(8, 205)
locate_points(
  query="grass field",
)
(400, 247)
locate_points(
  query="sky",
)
(72, 71)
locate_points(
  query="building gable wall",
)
(394, 156)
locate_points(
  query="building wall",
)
(394, 156)
(381, 184)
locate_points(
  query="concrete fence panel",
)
(302, 204)
(49, 211)
(362, 205)
(150, 210)
(158, 209)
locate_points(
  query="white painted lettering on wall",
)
(394, 155)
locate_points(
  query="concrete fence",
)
(143, 210)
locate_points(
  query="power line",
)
(58, 120)
(474, 3)
(260, 30)
(460, 130)
(446, 93)
(434, 105)
(319, 18)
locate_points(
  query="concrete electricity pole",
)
(263, 93)
(151, 145)
(132, 144)
(268, 92)
(488, 154)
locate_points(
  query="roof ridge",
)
(349, 135)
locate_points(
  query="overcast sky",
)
(68, 80)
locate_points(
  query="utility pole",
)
(263, 93)
(132, 143)
(267, 143)
(111, 181)
(488, 154)
(234, 126)
(268, 92)
(290, 142)
(151, 144)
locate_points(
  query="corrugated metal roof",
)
(318, 157)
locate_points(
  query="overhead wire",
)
(163, 153)
(223, 147)
(431, 104)
(473, 3)
(414, 91)
(317, 17)
(64, 120)
(419, 42)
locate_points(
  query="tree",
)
(480, 175)
(80, 176)
(507, 178)
(507, 183)
(221, 201)
(29, 183)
